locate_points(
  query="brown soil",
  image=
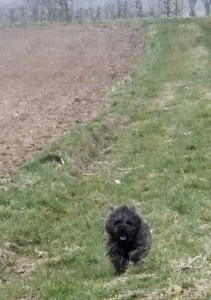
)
(53, 77)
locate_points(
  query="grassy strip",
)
(155, 140)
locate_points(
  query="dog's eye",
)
(117, 222)
(129, 223)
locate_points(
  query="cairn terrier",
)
(129, 237)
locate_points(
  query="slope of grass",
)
(155, 140)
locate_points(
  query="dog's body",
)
(129, 237)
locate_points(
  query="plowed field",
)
(54, 77)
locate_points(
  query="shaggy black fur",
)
(129, 237)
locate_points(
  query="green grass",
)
(155, 139)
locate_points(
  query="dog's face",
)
(123, 224)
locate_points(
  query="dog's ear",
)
(112, 208)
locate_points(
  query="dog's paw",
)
(134, 256)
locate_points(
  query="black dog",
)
(129, 237)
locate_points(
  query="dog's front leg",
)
(120, 264)
(138, 254)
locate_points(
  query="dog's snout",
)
(122, 228)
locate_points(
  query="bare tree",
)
(33, 6)
(50, 10)
(207, 4)
(91, 13)
(139, 8)
(22, 13)
(168, 9)
(79, 15)
(63, 10)
(125, 10)
(98, 14)
(192, 4)
(178, 7)
(172, 7)
(12, 16)
(119, 9)
(176, 11)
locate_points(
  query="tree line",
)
(72, 11)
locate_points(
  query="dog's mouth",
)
(123, 237)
